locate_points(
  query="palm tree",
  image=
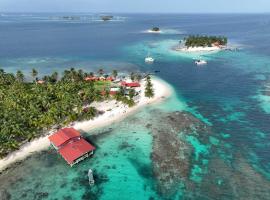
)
(132, 76)
(138, 77)
(149, 91)
(20, 76)
(34, 73)
(114, 73)
(54, 77)
(101, 72)
(131, 93)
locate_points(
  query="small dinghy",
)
(91, 177)
(149, 59)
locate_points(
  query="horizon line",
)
(100, 12)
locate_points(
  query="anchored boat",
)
(149, 59)
(200, 62)
(91, 177)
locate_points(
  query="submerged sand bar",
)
(114, 111)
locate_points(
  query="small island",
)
(154, 30)
(106, 17)
(202, 43)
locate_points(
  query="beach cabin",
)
(71, 145)
(114, 90)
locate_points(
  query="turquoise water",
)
(209, 140)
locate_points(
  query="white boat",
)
(91, 177)
(200, 62)
(149, 59)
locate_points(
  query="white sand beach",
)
(151, 31)
(198, 49)
(114, 111)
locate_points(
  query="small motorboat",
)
(200, 62)
(149, 59)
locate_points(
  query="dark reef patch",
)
(171, 154)
(124, 145)
(239, 181)
(4, 194)
(144, 170)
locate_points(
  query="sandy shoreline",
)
(114, 111)
(151, 31)
(198, 49)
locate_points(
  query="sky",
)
(135, 6)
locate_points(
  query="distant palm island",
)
(194, 43)
(205, 41)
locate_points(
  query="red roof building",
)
(109, 78)
(91, 78)
(71, 145)
(132, 84)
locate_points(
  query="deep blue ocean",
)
(231, 95)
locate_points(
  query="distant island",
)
(106, 17)
(71, 18)
(202, 43)
(154, 30)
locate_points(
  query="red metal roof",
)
(75, 149)
(91, 78)
(110, 78)
(63, 136)
(132, 84)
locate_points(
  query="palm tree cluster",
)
(126, 99)
(205, 41)
(29, 108)
(155, 29)
(149, 90)
(135, 76)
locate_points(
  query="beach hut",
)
(71, 145)
(114, 90)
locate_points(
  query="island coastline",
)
(115, 111)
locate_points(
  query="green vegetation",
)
(120, 96)
(114, 73)
(156, 29)
(135, 76)
(149, 91)
(27, 109)
(205, 41)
